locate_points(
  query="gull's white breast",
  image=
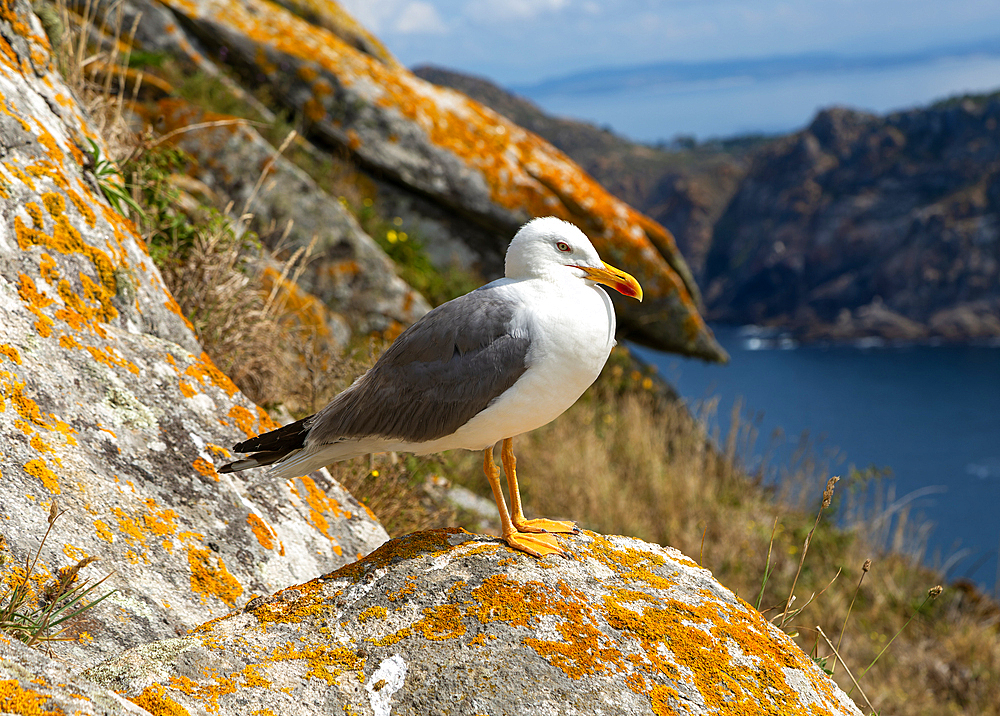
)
(571, 325)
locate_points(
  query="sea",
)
(925, 417)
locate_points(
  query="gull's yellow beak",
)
(617, 279)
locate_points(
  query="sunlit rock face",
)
(109, 407)
(446, 622)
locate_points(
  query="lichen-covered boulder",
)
(445, 622)
(345, 268)
(465, 166)
(109, 407)
(34, 685)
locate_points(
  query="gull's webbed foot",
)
(538, 545)
(543, 525)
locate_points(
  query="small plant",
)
(110, 180)
(407, 251)
(33, 618)
(786, 616)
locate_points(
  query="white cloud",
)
(399, 17)
(419, 17)
(491, 10)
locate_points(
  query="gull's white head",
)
(556, 250)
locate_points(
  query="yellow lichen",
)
(35, 212)
(244, 419)
(15, 699)
(38, 469)
(441, 622)
(155, 700)
(261, 530)
(319, 505)
(374, 612)
(205, 468)
(128, 527)
(10, 352)
(209, 577)
(159, 522)
(204, 369)
(103, 531)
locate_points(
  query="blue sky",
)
(521, 42)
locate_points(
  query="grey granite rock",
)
(445, 622)
(109, 407)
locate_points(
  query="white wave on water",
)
(763, 338)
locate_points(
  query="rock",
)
(31, 683)
(446, 622)
(109, 408)
(345, 269)
(905, 207)
(685, 191)
(478, 175)
(978, 320)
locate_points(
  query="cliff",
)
(113, 417)
(866, 225)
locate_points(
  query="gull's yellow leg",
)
(517, 513)
(535, 544)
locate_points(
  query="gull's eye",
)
(563, 246)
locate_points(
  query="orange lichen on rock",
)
(15, 699)
(35, 300)
(219, 450)
(265, 422)
(27, 408)
(38, 469)
(244, 419)
(174, 307)
(205, 468)
(159, 522)
(319, 504)
(155, 700)
(204, 369)
(10, 353)
(440, 622)
(129, 527)
(111, 359)
(209, 576)
(187, 390)
(103, 531)
(262, 531)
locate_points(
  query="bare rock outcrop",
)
(863, 225)
(109, 407)
(446, 622)
(33, 684)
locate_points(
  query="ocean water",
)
(741, 105)
(929, 413)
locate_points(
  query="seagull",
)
(476, 371)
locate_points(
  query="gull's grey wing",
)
(441, 372)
